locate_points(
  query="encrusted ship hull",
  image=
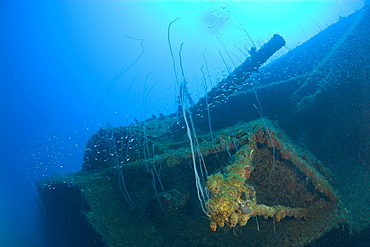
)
(162, 208)
(245, 183)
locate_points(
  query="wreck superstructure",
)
(137, 185)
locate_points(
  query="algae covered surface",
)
(253, 175)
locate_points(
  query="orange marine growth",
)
(213, 226)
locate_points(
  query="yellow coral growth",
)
(233, 201)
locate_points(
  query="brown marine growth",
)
(281, 170)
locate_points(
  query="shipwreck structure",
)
(246, 183)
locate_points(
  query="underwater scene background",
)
(184, 123)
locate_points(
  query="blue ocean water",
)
(70, 67)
